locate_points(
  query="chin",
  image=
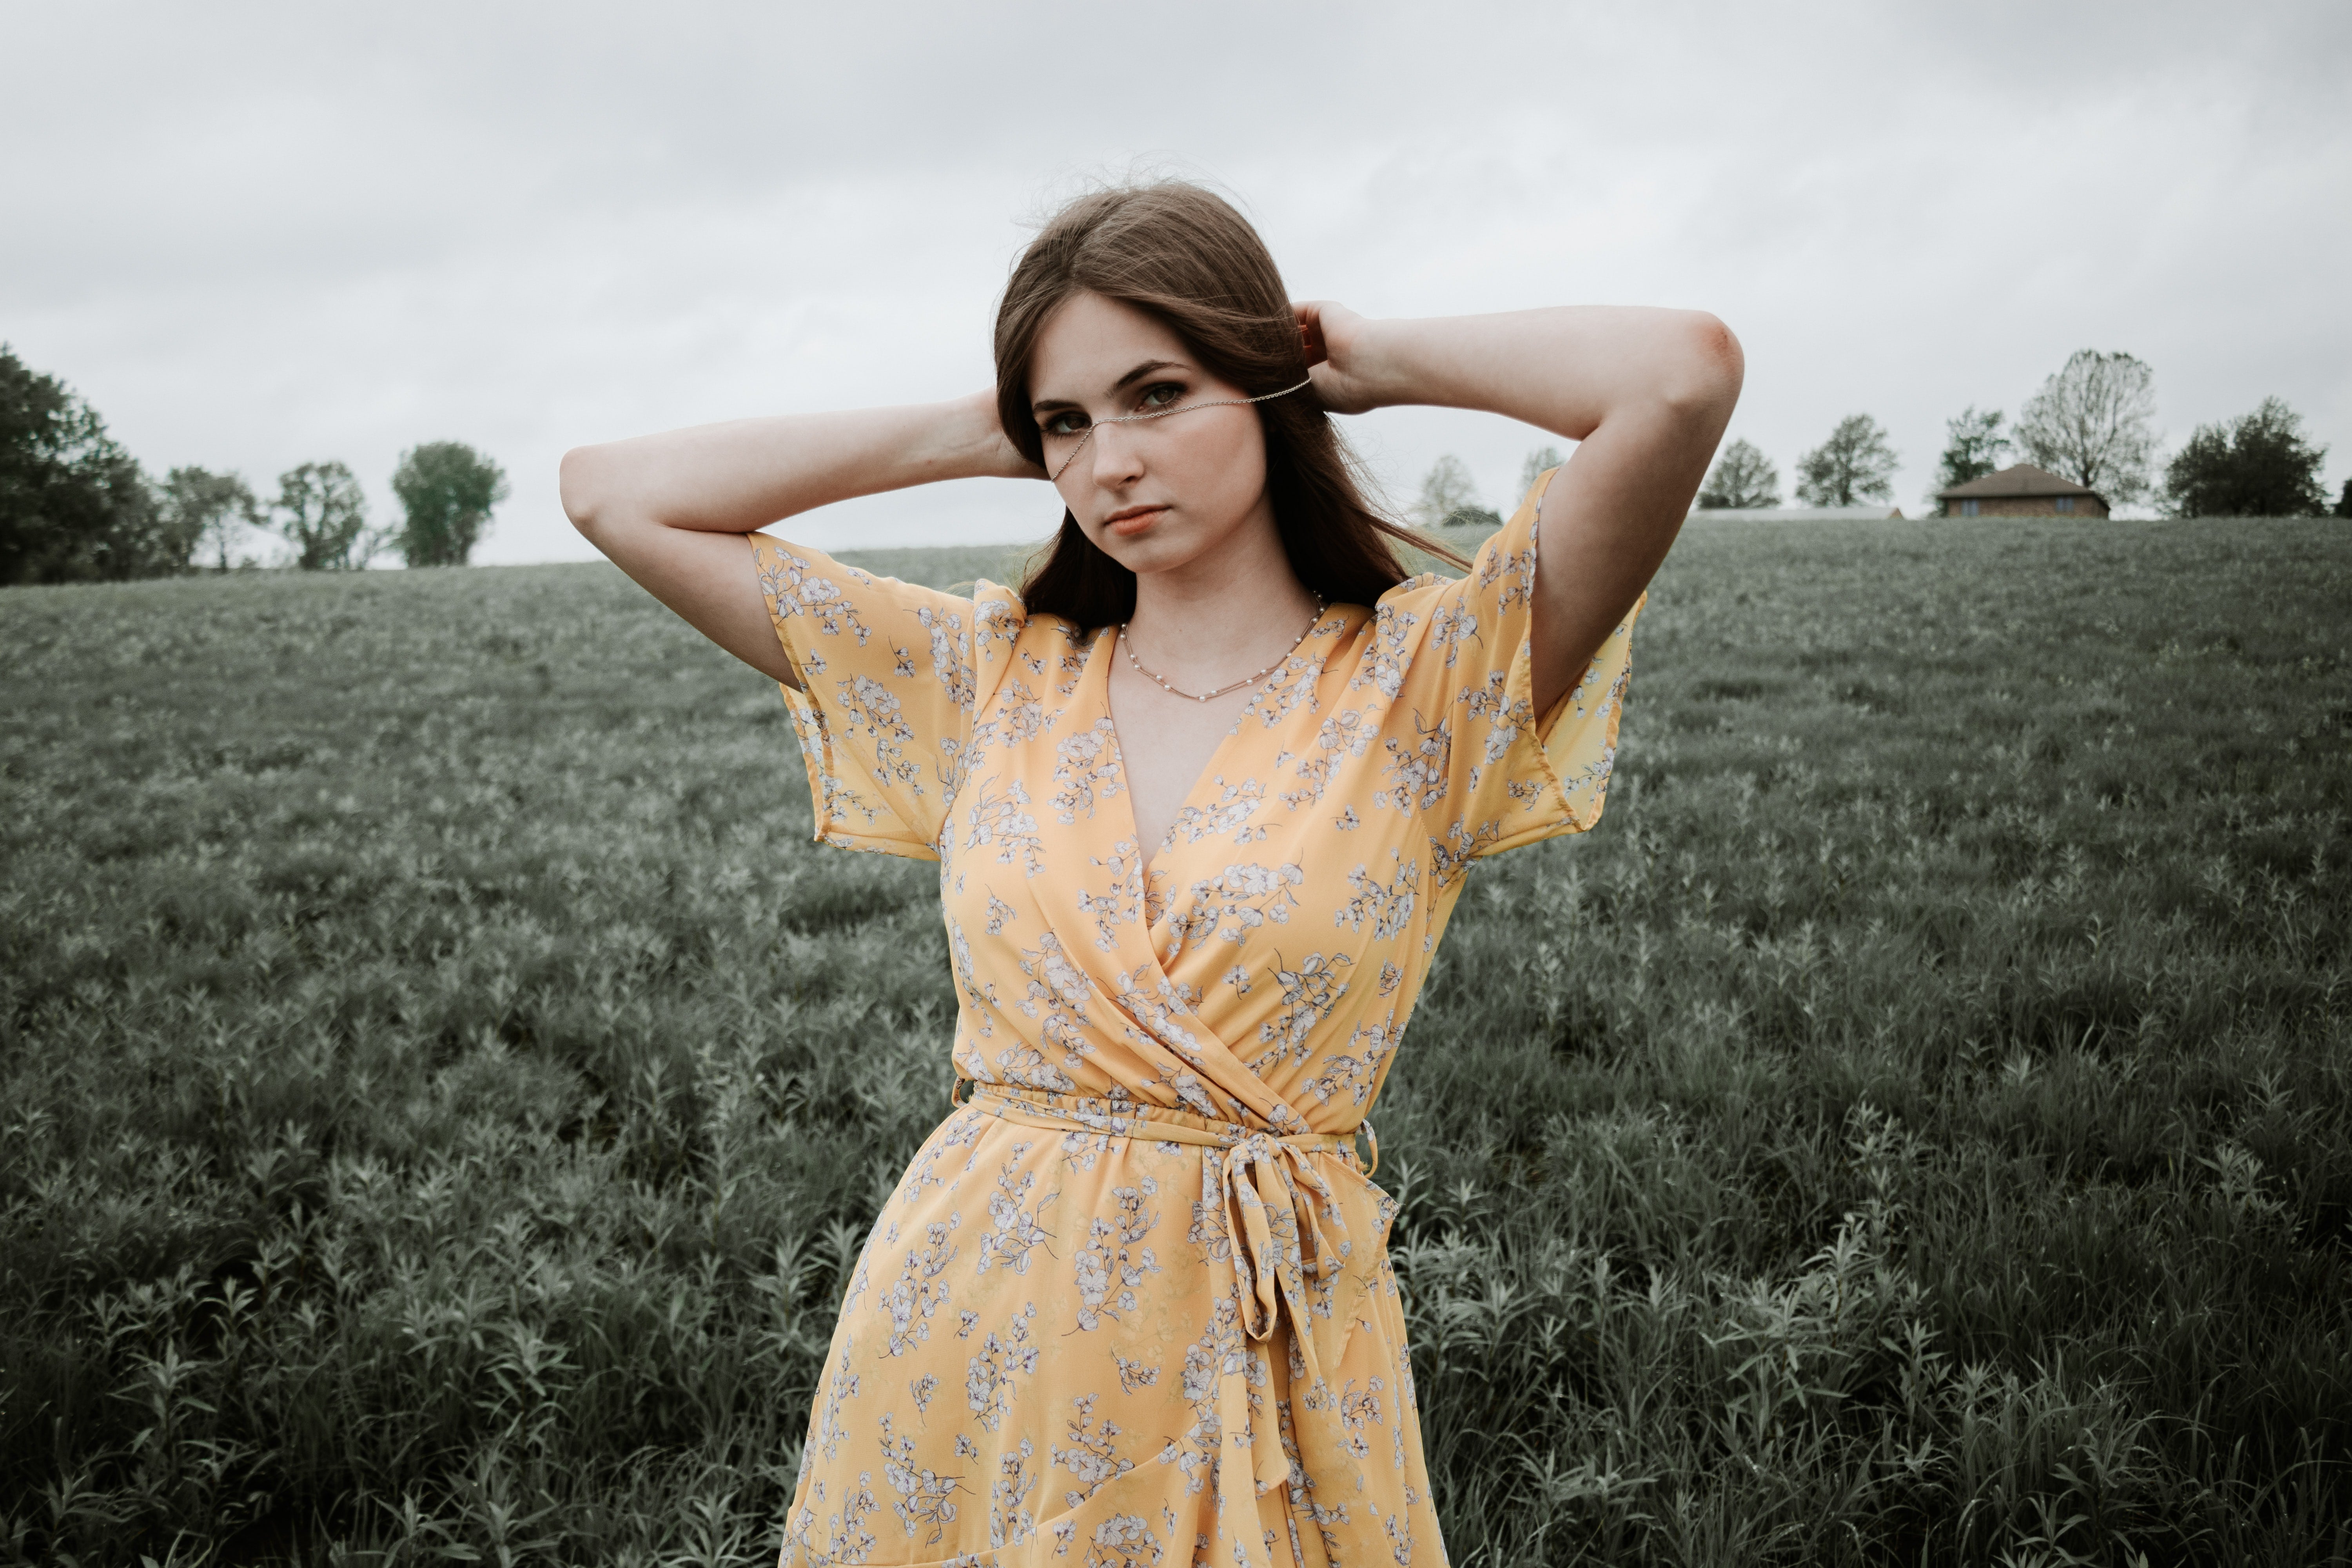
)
(1156, 549)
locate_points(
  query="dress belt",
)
(1265, 1203)
(1169, 1125)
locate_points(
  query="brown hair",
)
(1184, 256)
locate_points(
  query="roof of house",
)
(2019, 480)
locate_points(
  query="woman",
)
(1203, 795)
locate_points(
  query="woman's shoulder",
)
(1000, 608)
(1008, 637)
(1421, 585)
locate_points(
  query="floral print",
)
(1145, 1248)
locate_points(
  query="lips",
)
(1129, 521)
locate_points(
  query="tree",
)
(1973, 448)
(2257, 466)
(1447, 497)
(2093, 423)
(323, 514)
(74, 506)
(1855, 464)
(1743, 477)
(2344, 502)
(203, 510)
(447, 489)
(1531, 471)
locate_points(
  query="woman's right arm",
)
(671, 509)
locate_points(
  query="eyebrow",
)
(1047, 405)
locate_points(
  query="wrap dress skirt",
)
(1132, 1305)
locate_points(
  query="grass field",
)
(441, 1088)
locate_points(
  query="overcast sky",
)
(254, 236)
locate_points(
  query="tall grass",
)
(441, 1090)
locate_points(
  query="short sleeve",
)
(890, 687)
(1466, 747)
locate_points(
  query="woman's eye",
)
(1065, 423)
(1162, 396)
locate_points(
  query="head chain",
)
(1162, 414)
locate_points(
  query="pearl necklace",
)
(1247, 680)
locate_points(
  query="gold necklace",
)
(1128, 649)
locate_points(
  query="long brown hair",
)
(1184, 256)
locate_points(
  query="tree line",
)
(2093, 422)
(76, 507)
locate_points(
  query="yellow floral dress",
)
(1132, 1305)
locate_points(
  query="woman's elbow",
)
(1707, 368)
(580, 481)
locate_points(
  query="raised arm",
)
(671, 509)
(1646, 394)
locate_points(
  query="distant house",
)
(2023, 490)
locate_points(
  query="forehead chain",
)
(1164, 413)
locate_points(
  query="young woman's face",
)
(1156, 493)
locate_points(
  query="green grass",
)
(441, 1088)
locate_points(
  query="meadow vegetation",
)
(442, 1090)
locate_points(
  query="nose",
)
(1117, 453)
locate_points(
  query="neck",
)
(1225, 614)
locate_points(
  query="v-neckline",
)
(1146, 860)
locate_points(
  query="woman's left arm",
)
(1644, 394)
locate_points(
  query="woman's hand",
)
(1337, 358)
